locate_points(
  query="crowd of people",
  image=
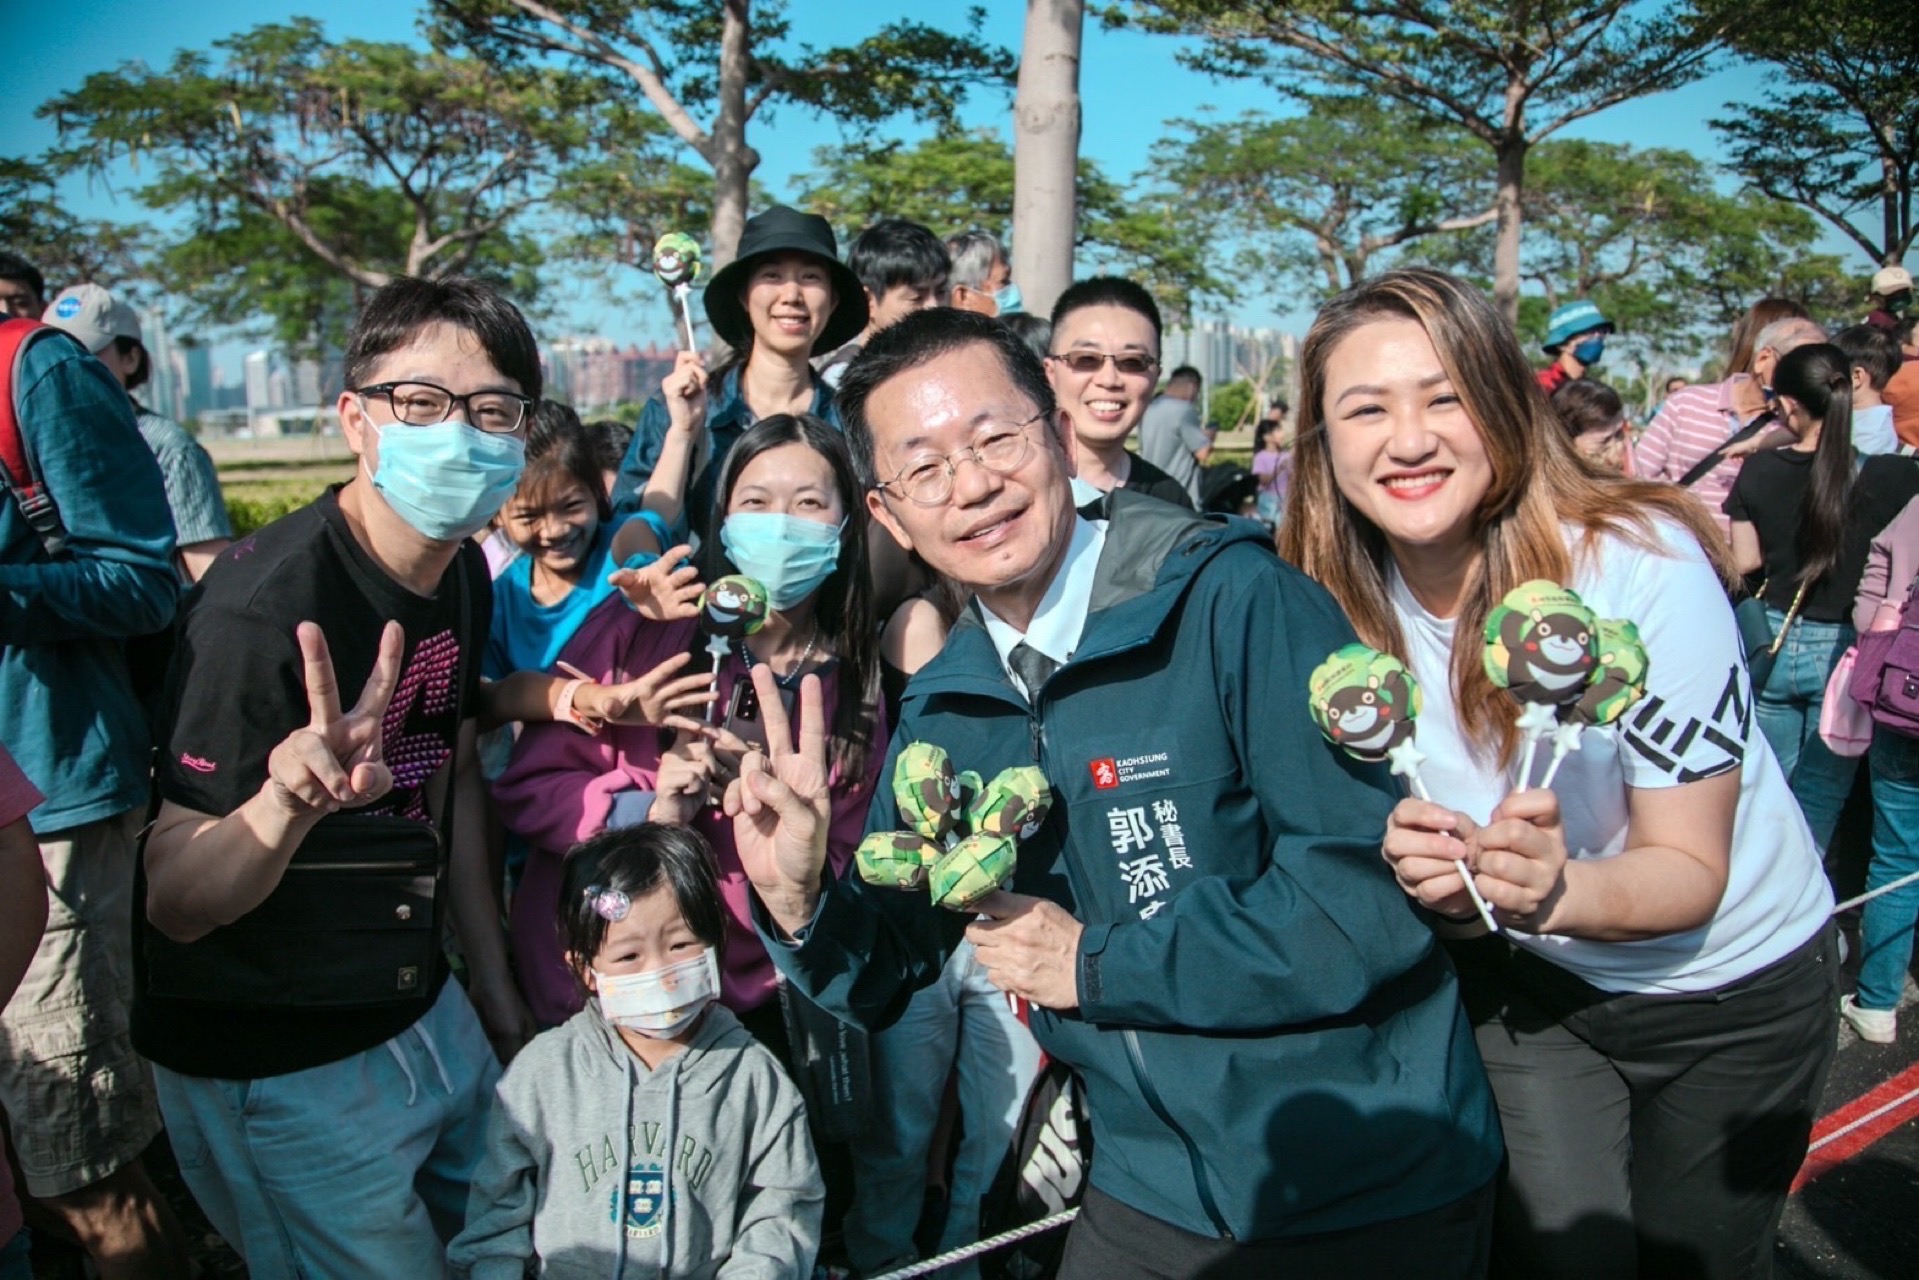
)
(460, 871)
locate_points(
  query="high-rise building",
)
(1224, 352)
(308, 382)
(259, 372)
(162, 392)
(594, 373)
(197, 394)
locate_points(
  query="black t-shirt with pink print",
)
(237, 689)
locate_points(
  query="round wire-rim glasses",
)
(1000, 447)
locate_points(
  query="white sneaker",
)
(1875, 1026)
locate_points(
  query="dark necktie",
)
(1032, 667)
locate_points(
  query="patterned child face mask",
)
(660, 1002)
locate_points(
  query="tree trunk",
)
(732, 160)
(1894, 251)
(1511, 178)
(1046, 151)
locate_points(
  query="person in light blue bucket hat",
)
(1576, 339)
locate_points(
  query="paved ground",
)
(1856, 1213)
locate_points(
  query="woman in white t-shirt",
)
(1658, 1013)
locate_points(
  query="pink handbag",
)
(1845, 724)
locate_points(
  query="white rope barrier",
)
(945, 1260)
(1900, 883)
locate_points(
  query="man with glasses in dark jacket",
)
(1280, 1079)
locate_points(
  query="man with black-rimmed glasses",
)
(328, 669)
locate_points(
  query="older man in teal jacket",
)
(1278, 1073)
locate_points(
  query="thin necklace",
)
(799, 669)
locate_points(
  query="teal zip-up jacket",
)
(67, 707)
(1271, 1040)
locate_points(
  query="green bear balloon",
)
(895, 859)
(1015, 803)
(927, 790)
(1619, 680)
(970, 870)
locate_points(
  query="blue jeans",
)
(1788, 714)
(355, 1168)
(962, 1017)
(1885, 935)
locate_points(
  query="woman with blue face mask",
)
(787, 513)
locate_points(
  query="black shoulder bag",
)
(355, 923)
(1713, 459)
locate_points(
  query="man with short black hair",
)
(1103, 365)
(1280, 1077)
(23, 290)
(1171, 436)
(1874, 356)
(903, 267)
(324, 702)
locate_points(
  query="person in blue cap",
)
(1576, 339)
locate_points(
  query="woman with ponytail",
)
(1789, 536)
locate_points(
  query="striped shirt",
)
(1692, 423)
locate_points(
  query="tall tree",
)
(311, 173)
(1509, 72)
(727, 62)
(1840, 135)
(1046, 150)
(361, 160)
(36, 224)
(1318, 199)
(954, 180)
(1649, 237)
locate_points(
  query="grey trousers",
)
(1648, 1135)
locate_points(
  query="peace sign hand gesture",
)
(335, 762)
(780, 807)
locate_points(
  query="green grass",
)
(253, 503)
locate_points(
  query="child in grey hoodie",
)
(650, 1135)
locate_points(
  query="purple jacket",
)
(560, 787)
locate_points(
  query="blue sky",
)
(1130, 85)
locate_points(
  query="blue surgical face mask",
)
(448, 479)
(789, 556)
(1007, 299)
(1589, 351)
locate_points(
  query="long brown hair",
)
(1745, 330)
(1539, 484)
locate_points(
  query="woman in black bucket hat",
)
(784, 297)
